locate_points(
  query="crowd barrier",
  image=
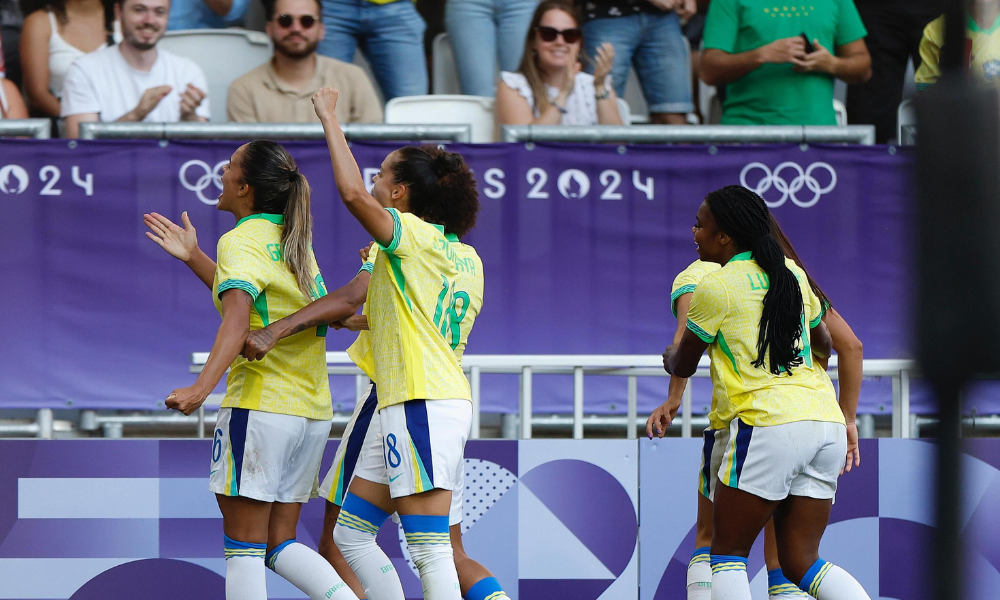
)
(39, 129)
(691, 134)
(281, 131)
(552, 519)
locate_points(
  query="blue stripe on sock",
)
(706, 550)
(363, 509)
(272, 556)
(721, 558)
(777, 577)
(238, 439)
(232, 544)
(811, 574)
(424, 523)
(420, 433)
(484, 589)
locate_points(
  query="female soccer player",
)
(850, 369)
(787, 439)
(275, 419)
(420, 293)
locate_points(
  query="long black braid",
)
(742, 215)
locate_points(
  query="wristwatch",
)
(603, 95)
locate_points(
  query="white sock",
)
(354, 534)
(699, 575)
(729, 578)
(827, 581)
(245, 570)
(429, 543)
(308, 571)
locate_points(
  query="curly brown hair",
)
(442, 187)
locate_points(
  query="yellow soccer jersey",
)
(687, 280)
(292, 378)
(982, 52)
(425, 293)
(725, 312)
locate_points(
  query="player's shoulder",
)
(694, 273)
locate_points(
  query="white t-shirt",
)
(581, 106)
(102, 82)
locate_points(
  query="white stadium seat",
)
(243, 51)
(444, 73)
(841, 110)
(906, 116)
(449, 109)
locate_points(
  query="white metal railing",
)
(691, 134)
(279, 131)
(631, 366)
(40, 129)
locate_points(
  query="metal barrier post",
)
(866, 426)
(201, 422)
(474, 384)
(45, 420)
(897, 408)
(633, 407)
(525, 408)
(904, 404)
(686, 411)
(40, 129)
(359, 388)
(577, 403)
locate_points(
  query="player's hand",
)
(819, 61)
(853, 449)
(665, 5)
(186, 400)
(687, 9)
(785, 50)
(179, 243)
(150, 100)
(191, 99)
(325, 103)
(365, 252)
(258, 344)
(666, 356)
(603, 62)
(662, 417)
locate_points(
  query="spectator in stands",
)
(280, 91)
(57, 32)
(550, 88)
(758, 50)
(10, 40)
(134, 80)
(483, 33)
(894, 30)
(206, 14)
(646, 34)
(391, 34)
(982, 49)
(11, 104)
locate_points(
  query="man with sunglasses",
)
(280, 90)
(135, 80)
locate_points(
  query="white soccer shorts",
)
(360, 454)
(795, 459)
(711, 459)
(267, 456)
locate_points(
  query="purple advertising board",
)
(580, 244)
(98, 519)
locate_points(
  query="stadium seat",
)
(243, 51)
(906, 117)
(624, 111)
(841, 110)
(444, 73)
(361, 61)
(451, 109)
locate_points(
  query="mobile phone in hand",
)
(809, 47)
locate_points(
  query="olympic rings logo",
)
(210, 176)
(789, 189)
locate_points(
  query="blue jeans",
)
(483, 31)
(391, 37)
(655, 46)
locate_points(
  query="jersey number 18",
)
(448, 315)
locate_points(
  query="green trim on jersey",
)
(238, 284)
(260, 305)
(684, 289)
(397, 232)
(975, 28)
(742, 256)
(276, 219)
(729, 353)
(701, 333)
(397, 273)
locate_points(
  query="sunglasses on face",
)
(306, 21)
(549, 34)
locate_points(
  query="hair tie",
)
(292, 175)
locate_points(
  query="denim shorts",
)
(655, 45)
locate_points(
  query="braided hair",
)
(742, 214)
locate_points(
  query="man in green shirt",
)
(756, 49)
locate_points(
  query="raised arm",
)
(850, 367)
(336, 306)
(365, 208)
(228, 343)
(182, 244)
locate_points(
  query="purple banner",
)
(580, 245)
